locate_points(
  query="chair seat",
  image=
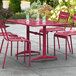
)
(9, 33)
(65, 33)
(53, 29)
(17, 39)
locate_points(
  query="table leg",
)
(44, 48)
(28, 37)
(44, 41)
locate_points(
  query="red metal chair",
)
(10, 34)
(65, 35)
(62, 16)
(12, 38)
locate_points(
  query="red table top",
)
(33, 22)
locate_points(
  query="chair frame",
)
(12, 38)
(62, 15)
(10, 34)
(65, 35)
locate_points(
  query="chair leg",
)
(24, 50)
(39, 42)
(47, 42)
(1, 45)
(5, 54)
(11, 48)
(58, 42)
(54, 45)
(30, 54)
(71, 44)
(17, 49)
(66, 48)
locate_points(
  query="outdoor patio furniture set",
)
(10, 37)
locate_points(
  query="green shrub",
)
(6, 13)
(62, 20)
(31, 1)
(1, 4)
(34, 8)
(41, 1)
(15, 5)
(36, 5)
(47, 2)
(2, 18)
(25, 0)
(23, 16)
(18, 16)
(53, 3)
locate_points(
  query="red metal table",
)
(33, 23)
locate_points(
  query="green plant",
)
(31, 1)
(36, 5)
(53, 3)
(6, 13)
(15, 5)
(47, 1)
(34, 8)
(1, 4)
(41, 2)
(18, 16)
(2, 18)
(45, 10)
(25, 0)
(66, 3)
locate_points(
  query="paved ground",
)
(59, 67)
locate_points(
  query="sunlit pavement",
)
(59, 67)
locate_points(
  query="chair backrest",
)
(3, 29)
(64, 16)
(73, 20)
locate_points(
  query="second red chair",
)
(65, 36)
(62, 16)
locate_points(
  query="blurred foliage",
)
(53, 3)
(51, 13)
(34, 8)
(15, 5)
(32, 11)
(45, 10)
(25, 0)
(2, 18)
(62, 20)
(31, 1)
(5, 13)
(1, 4)
(73, 2)
(18, 16)
(64, 5)
(36, 5)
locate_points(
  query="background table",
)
(33, 23)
